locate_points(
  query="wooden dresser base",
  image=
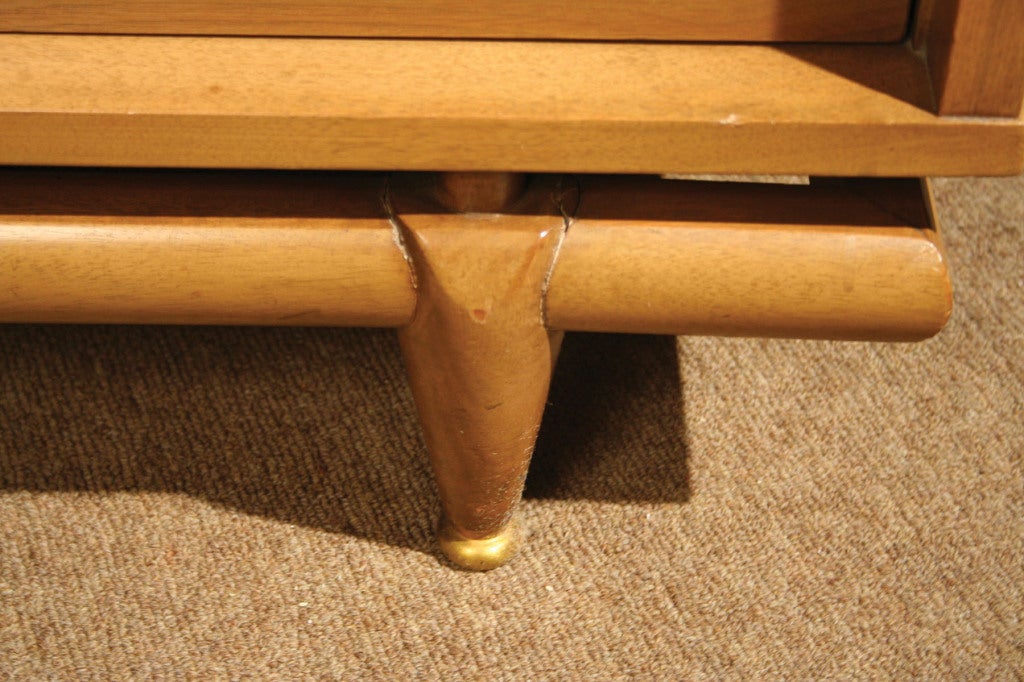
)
(481, 274)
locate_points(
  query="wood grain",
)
(478, 192)
(199, 248)
(836, 260)
(484, 106)
(479, 357)
(975, 50)
(728, 20)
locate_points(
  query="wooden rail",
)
(485, 106)
(838, 259)
(847, 259)
(735, 20)
(199, 248)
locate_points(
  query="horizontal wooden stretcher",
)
(849, 258)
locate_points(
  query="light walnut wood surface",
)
(975, 49)
(484, 105)
(199, 248)
(478, 355)
(836, 260)
(728, 20)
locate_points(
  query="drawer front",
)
(663, 20)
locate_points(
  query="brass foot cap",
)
(481, 554)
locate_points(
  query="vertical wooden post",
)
(478, 192)
(477, 352)
(975, 55)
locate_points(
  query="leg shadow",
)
(614, 428)
(313, 427)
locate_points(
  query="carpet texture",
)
(217, 503)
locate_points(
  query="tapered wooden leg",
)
(479, 360)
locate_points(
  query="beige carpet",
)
(255, 503)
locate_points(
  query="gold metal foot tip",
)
(481, 554)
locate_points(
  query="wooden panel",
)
(833, 260)
(198, 248)
(975, 50)
(732, 20)
(484, 105)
